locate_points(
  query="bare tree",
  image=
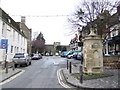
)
(38, 45)
(91, 10)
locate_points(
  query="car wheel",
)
(15, 65)
(29, 63)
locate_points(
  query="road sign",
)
(4, 44)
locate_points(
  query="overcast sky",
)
(54, 29)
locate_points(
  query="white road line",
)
(60, 78)
(11, 78)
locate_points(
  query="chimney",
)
(23, 19)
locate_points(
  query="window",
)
(11, 49)
(21, 49)
(24, 41)
(19, 56)
(113, 33)
(3, 28)
(17, 49)
(8, 28)
(18, 37)
(13, 35)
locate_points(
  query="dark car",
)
(51, 54)
(21, 59)
(36, 56)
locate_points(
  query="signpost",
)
(81, 74)
(4, 45)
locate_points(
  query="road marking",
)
(60, 79)
(11, 78)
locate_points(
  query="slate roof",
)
(7, 19)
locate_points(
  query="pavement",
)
(5, 76)
(110, 82)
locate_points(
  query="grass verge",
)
(91, 76)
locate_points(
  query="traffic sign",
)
(4, 44)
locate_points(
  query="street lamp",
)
(81, 13)
(101, 19)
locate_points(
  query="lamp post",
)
(101, 18)
(81, 13)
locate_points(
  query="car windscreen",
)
(35, 55)
(18, 56)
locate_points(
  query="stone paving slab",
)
(106, 82)
(11, 72)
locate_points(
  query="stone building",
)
(51, 47)
(27, 32)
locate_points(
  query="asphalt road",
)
(41, 74)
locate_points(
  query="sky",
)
(44, 16)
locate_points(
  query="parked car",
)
(64, 53)
(47, 54)
(51, 54)
(75, 55)
(21, 59)
(79, 56)
(70, 53)
(70, 56)
(36, 56)
(56, 54)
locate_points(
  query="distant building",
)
(56, 44)
(49, 48)
(76, 43)
(52, 47)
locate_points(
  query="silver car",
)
(21, 59)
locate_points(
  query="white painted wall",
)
(114, 33)
(15, 41)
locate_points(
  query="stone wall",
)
(112, 61)
(50, 47)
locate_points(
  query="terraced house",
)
(10, 30)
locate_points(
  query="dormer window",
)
(9, 20)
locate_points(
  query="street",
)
(41, 74)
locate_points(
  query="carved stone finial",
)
(92, 32)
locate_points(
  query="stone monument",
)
(93, 55)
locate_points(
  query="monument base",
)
(93, 54)
(93, 70)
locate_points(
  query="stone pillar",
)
(93, 54)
